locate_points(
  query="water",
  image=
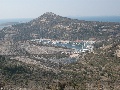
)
(100, 18)
(95, 18)
(71, 45)
(77, 46)
(20, 20)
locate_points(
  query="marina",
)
(76, 46)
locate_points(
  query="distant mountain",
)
(50, 25)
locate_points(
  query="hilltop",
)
(52, 26)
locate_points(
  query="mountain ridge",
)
(50, 25)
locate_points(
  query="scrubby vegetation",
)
(98, 70)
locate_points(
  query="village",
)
(78, 46)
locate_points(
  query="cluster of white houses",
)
(76, 46)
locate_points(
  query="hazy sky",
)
(35, 8)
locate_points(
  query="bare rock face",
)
(118, 51)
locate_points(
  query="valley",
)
(53, 52)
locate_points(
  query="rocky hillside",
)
(50, 25)
(98, 70)
(29, 66)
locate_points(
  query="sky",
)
(76, 8)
